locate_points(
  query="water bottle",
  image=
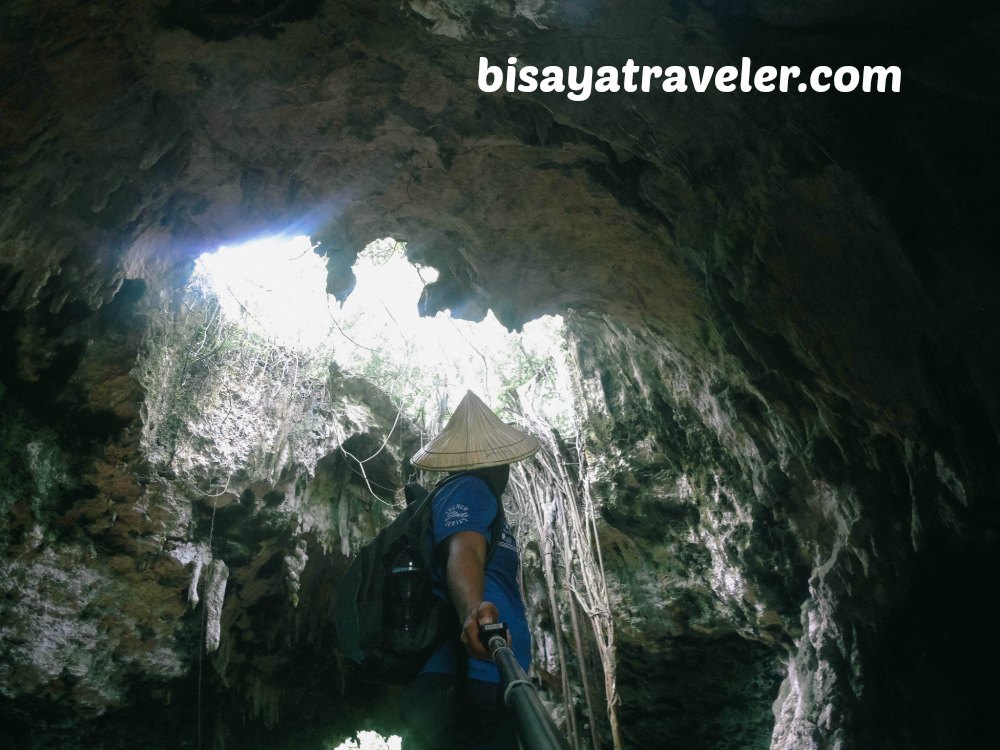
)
(406, 594)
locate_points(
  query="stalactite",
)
(215, 593)
(295, 563)
(199, 555)
(193, 598)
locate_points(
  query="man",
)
(455, 701)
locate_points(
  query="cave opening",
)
(783, 321)
(287, 418)
(273, 288)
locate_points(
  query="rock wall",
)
(784, 314)
(751, 544)
(180, 561)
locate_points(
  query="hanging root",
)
(557, 510)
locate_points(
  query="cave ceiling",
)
(799, 289)
(139, 135)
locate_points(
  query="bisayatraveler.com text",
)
(579, 83)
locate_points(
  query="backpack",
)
(369, 631)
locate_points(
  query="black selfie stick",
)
(535, 728)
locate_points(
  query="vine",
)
(558, 514)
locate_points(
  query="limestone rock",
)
(783, 309)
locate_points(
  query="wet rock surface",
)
(783, 311)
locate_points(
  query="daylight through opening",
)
(276, 288)
(267, 398)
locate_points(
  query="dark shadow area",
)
(691, 694)
(936, 661)
(219, 20)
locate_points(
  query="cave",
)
(780, 309)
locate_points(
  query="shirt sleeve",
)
(465, 504)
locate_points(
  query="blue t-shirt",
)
(468, 504)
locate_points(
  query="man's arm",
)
(466, 577)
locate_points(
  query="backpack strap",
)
(496, 528)
(414, 492)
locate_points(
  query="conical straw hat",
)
(474, 438)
